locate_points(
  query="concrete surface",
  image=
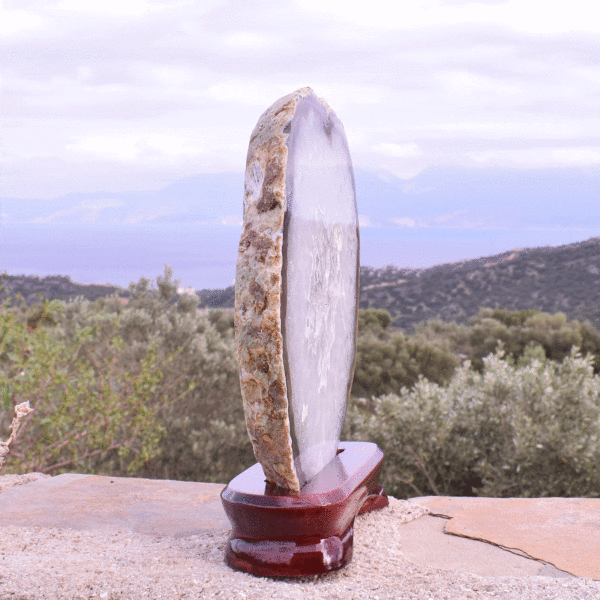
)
(551, 537)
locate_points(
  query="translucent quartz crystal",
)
(320, 284)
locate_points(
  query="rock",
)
(564, 532)
(297, 287)
(10, 481)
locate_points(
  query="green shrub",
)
(87, 403)
(377, 317)
(527, 430)
(150, 387)
(195, 409)
(387, 360)
(514, 331)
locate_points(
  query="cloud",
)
(149, 215)
(530, 16)
(16, 23)
(164, 89)
(231, 220)
(408, 150)
(449, 217)
(87, 211)
(474, 89)
(404, 222)
(453, 219)
(250, 41)
(111, 147)
(107, 8)
(540, 157)
(135, 145)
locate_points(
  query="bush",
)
(150, 387)
(517, 330)
(194, 409)
(87, 403)
(530, 429)
(387, 360)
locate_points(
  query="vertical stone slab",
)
(297, 288)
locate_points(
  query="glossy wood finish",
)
(278, 534)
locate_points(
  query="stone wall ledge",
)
(172, 533)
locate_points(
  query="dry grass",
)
(21, 410)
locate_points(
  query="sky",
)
(117, 96)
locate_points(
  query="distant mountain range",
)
(436, 197)
(550, 279)
(441, 215)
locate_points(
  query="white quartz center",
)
(320, 282)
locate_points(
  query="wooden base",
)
(277, 534)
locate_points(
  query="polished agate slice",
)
(297, 288)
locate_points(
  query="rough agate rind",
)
(260, 293)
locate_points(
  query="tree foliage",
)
(518, 330)
(176, 362)
(149, 386)
(387, 360)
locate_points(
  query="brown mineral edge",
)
(258, 293)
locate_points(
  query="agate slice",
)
(297, 288)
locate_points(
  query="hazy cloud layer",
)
(438, 198)
(133, 94)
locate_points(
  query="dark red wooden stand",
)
(295, 535)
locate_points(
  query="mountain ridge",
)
(546, 278)
(549, 279)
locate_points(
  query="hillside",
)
(550, 279)
(52, 287)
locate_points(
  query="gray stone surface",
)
(146, 506)
(181, 509)
(81, 536)
(425, 543)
